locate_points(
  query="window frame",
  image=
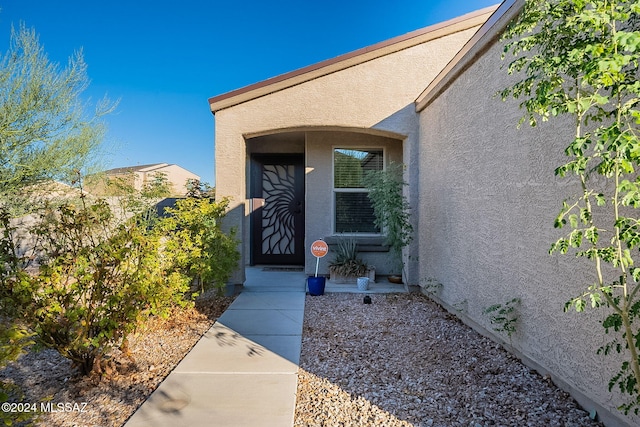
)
(335, 190)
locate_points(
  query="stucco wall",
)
(488, 199)
(319, 187)
(177, 176)
(377, 94)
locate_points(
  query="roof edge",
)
(136, 168)
(329, 66)
(486, 35)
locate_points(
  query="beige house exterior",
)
(364, 99)
(143, 174)
(483, 194)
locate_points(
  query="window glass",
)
(354, 213)
(353, 210)
(350, 166)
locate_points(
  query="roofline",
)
(137, 168)
(486, 35)
(351, 59)
(155, 166)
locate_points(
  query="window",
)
(353, 211)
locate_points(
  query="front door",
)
(277, 191)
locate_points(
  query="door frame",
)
(257, 160)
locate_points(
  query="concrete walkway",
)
(243, 372)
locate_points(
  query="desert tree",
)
(48, 128)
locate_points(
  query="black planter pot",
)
(316, 285)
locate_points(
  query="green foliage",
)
(198, 189)
(581, 59)
(14, 337)
(12, 275)
(391, 209)
(97, 277)
(45, 132)
(95, 272)
(133, 201)
(504, 316)
(197, 242)
(98, 268)
(346, 262)
(13, 340)
(430, 286)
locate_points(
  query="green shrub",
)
(96, 269)
(504, 317)
(13, 340)
(96, 281)
(197, 242)
(391, 209)
(14, 337)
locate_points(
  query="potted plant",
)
(391, 210)
(346, 267)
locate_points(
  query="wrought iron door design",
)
(278, 221)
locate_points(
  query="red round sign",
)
(319, 248)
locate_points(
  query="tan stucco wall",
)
(377, 94)
(488, 200)
(319, 186)
(177, 176)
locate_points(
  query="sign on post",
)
(319, 248)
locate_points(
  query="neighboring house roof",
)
(485, 36)
(354, 58)
(139, 168)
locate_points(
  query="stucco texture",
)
(374, 97)
(488, 200)
(319, 187)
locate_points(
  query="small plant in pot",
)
(391, 210)
(346, 266)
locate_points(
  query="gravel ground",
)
(46, 376)
(401, 361)
(404, 361)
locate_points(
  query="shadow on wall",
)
(234, 218)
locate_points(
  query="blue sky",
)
(164, 59)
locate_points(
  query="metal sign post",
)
(319, 248)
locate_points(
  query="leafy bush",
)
(13, 340)
(96, 281)
(504, 316)
(391, 209)
(197, 243)
(97, 268)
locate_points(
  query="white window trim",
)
(351, 190)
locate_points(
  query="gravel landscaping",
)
(45, 376)
(400, 361)
(404, 361)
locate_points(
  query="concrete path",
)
(243, 372)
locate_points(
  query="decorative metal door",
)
(277, 187)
